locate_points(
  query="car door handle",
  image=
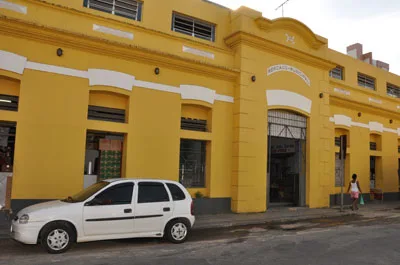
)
(166, 209)
(127, 210)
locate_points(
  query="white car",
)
(110, 209)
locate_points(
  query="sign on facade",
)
(287, 68)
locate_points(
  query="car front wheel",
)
(177, 231)
(56, 237)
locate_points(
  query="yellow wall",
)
(52, 117)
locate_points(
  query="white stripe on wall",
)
(13, 7)
(373, 126)
(16, 63)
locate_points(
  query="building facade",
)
(244, 111)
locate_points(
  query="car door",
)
(153, 208)
(110, 211)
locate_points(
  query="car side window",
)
(176, 192)
(116, 195)
(152, 192)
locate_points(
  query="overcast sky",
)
(373, 23)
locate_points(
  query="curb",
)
(264, 221)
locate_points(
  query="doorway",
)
(286, 160)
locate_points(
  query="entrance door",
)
(286, 165)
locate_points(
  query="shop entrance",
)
(286, 165)
(103, 159)
(7, 146)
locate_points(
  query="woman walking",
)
(354, 185)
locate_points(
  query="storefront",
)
(242, 110)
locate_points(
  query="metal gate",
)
(286, 124)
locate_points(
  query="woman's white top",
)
(354, 187)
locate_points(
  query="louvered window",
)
(366, 81)
(193, 27)
(337, 141)
(336, 72)
(372, 146)
(125, 8)
(9, 103)
(393, 91)
(106, 114)
(193, 124)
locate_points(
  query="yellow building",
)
(241, 109)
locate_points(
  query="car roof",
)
(137, 179)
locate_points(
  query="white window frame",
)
(194, 22)
(364, 80)
(92, 4)
(392, 90)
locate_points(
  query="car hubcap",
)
(179, 231)
(57, 239)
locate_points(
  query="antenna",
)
(281, 6)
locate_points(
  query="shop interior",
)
(7, 146)
(103, 158)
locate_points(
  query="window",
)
(152, 192)
(337, 141)
(125, 8)
(116, 195)
(337, 73)
(106, 114)
(86, 193)
(366, 81)
(392, 90)
(192, 163)
(176, 192)
(9, 103)
(193, 124)
(193, 27)
(7, 145)
(372, 146)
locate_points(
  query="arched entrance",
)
(286, 160)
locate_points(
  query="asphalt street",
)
(349, 240)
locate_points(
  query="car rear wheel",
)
(57, 237)
(177, 231)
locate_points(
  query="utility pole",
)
(281, 6)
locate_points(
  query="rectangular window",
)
(150, 192)
(192, 163)
(392, 90)
(366, 81)
(116, 195)
(193, 124)
(131, 9)
(337, 141)
(9, 103)
(106, 114)
(193, 27)
(337, 73)
(176, 192)
(372, 146)
(7, 145)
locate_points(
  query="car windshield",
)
(86, 193)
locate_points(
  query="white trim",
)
(374, 100)
(12, 62)
(197, 93)
(198, 52)
(342, 120)
(288, 68)
(111, 31)
(16, 63)
(359, 124)
(224, 98)
(390, 130)
(13, 7)
(56, 69)
(375, 126)
(341, 91)
(289, 99)
(101, 77)
(372, 126)
(156, 86)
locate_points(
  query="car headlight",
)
(23, 219)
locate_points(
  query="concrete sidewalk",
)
(371, 210)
